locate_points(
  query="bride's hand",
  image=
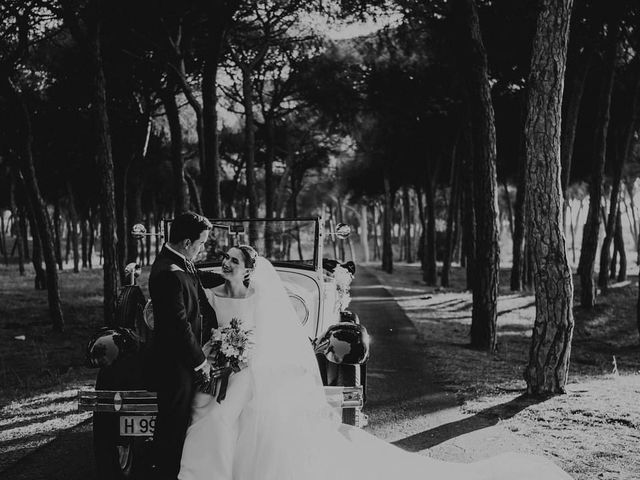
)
(207, 348)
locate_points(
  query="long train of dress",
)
(274, 423)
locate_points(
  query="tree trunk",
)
(18, 219)
(387, 249)
(249, 144)
(613, 263)
(121, 197)
(194, 195)
(84, 238)
(3, 240)
(468, 214)
(24, 218)
(627, 153)
(550, 351)
(41, 226)
(376, 242)
(175, 128)
(219, 15)
(507, 199)
(92, 238)
(423, 225)
(574, 227)
(406, 204)
(67, 247)
(592, 226)
(364, 232)
(619, 244)
(430, 272)
(269, 181)
(340, 211)
(73, 214)
(211, 202)
(109, 238)
(57, 241)
(269, 194)
(614, 208)
(571, 107)
(487, 259)
(517, 269)
(40, 279)
(452, 214)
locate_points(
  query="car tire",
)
(129, 306)
(114, 456)
(119, 457)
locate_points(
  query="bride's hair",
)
(250, 256)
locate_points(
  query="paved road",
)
(402, 391)
(407, 406)
(396, 370)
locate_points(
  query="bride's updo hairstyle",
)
(250, 256)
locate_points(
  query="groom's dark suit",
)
(176, 350)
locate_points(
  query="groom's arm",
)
(172, 323)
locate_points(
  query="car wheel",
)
(119, 458)
(115, 456)
(129, 306)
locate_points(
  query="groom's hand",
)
(203, 374)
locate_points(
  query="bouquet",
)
(227, 351)
(343, 279)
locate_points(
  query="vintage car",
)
(124, 403)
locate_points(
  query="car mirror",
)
(342, 231)
(138, 230)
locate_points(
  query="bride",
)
(275, 423)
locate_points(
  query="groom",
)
(177, 356)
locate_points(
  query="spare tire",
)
(129, 306)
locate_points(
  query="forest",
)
(462, 132)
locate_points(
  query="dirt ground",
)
(40, 371)
(592, 431)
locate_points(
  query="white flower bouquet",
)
(343, 279)
(227, 351)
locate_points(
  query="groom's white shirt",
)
(168, 247)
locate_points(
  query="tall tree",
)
(519, 250)
(28, 28)
(622, 154)
(487, 261)
(218, 19)
(592, 225)
(86, 30)
(550, 351)
(582, 49)
(41, 218)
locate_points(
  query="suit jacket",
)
(177, 297)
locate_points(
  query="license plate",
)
(137, 425)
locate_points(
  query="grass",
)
(33, 358)
(592, 430)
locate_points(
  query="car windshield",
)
(287, 242)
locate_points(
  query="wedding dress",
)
(275, 423)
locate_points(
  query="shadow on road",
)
(68, 457)
(485, 418)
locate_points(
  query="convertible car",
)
(124, 401)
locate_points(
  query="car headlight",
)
(300, 306)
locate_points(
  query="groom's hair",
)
(188, 225)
